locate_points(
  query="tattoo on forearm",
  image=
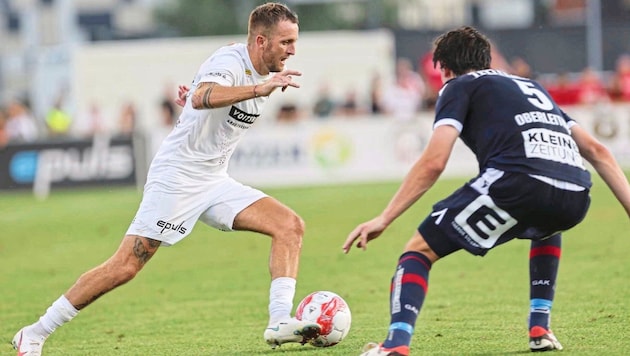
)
(206, 96)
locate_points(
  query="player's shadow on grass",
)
(322, 351)
(295, 350)
(519, 352)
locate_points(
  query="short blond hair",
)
(264, 17)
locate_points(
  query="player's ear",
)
(446, 73)
(261, 40)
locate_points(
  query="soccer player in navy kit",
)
(532, 184)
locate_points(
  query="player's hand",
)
(182, 91)
(365, 233)
(282, 80)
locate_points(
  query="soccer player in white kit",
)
(188, 181)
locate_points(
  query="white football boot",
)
(291, 330)
(27, 344)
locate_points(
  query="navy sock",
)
(544, 260)
(407, 292)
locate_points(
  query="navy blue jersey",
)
(512, 124)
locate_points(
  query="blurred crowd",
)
(590, 86)
(413, 88)
(18, 123)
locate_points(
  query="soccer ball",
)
(328, 310)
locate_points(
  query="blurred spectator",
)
(591, 88)
(376, 95)
(128, 120)
(324, 104)
(288, 112)
(4, 137)
(350, 107)
(404, 98)
(498, 60)
(21, 126)
(432, 77)
(568, 12)
(91, 123)
(563, 90)
(521, 68)
(168, 117)
(620, 82)
(58, 121)
(168, 108)
(168, 113)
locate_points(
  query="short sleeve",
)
(452, 105)
(222, 68)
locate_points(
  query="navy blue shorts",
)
(497, 207)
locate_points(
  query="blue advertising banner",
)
(68, 163)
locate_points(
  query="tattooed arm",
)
(209, 95)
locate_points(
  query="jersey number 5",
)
(535, 95)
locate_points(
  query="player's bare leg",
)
(418, 244)
(270, 217)
(132, 254)
(286, 229)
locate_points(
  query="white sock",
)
(59, 313)
(281, 295)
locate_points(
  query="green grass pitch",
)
(208, 294)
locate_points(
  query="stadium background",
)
(111, 59)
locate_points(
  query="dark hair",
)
(462, 50)
(264, 17)
(167, 105)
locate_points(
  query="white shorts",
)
(170, 216)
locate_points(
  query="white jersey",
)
(196, 153)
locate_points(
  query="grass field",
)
(208, 295)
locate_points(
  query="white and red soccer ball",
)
(328, 310)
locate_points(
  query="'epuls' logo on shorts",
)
(170, 226)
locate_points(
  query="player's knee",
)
(296, 227)
(121, 273)
(418, 244)
(292, 230)
(128, 273)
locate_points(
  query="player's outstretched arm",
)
(600, 157)
(210, 95)
(364, 233)
(420, 178)
(282, 80)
